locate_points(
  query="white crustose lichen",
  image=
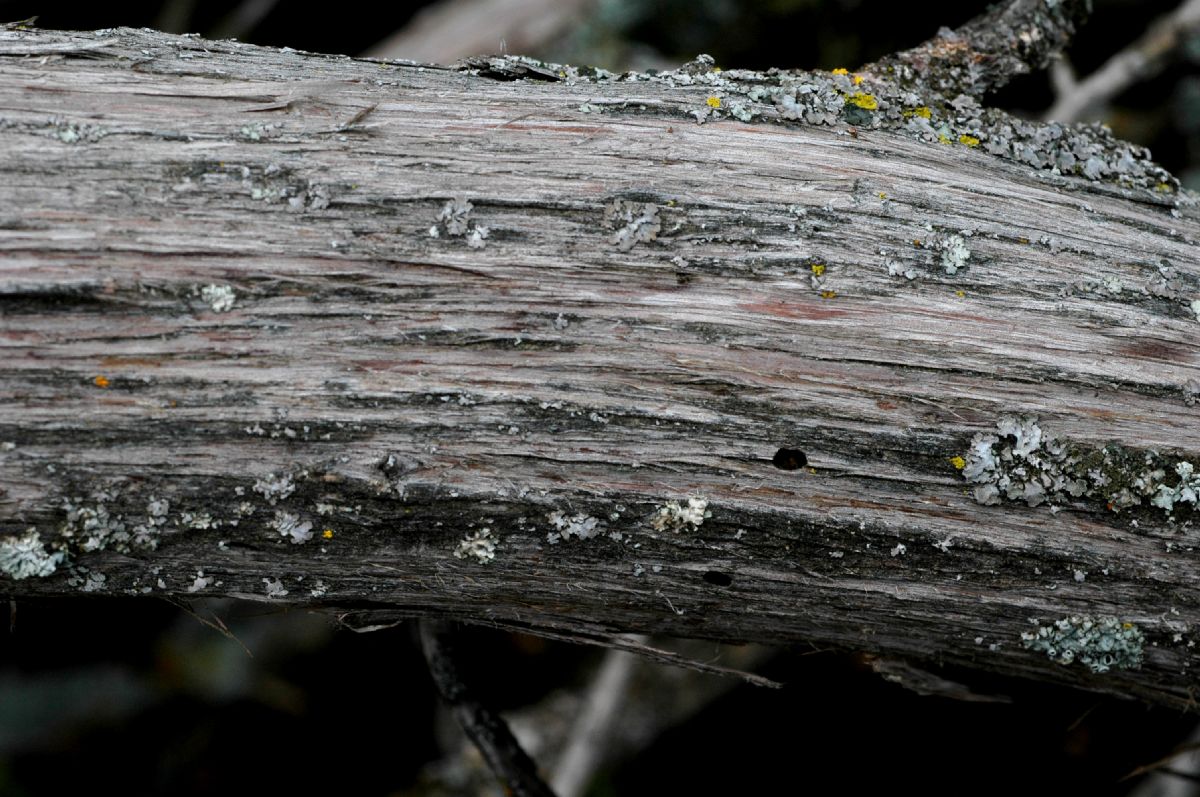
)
(219, 297)
(672, 516)
(480, 546)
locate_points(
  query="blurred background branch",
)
(1141, 60)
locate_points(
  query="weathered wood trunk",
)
(586, 356)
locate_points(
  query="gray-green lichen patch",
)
(884, 100)
(1185, 491)
(479, 546)
(1157, 281)
(270, 183)
(933, 253)
(274, 588)
(634, 223)
(954, 253)
(1022, 463)
(90, 526)
(76, 132)
(673, 516)
(1087, 151)
(25, 556)
(87, 580)
(455, 221)
(261, 132)
(1100, 643)
(275, 488)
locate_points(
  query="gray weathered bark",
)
(520, 345)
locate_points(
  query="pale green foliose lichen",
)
(291, 526)
(955, 253)
(1099, 643)
(24, 556)
(579, 526)
(93, 527)
(1186, 491)
(1021, 463)
(634, 222)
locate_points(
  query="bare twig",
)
(635, 643)
(485, 727)
(454, 29)
(1062, 77)
(586, 747)
(216, 623)
(1139, 61)
(1170, 782)
(1010, 39)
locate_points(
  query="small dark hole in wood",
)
(789, 459)
(720, 579)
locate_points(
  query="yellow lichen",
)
(944, 139)
(327, 534)
(960, 293)
(101, 381)
(970, 141)
(958, 462)
(840, 71)
(828, 294)
(921, 111)
(865, 101)
(1164, 188)
(882, 195)
(858, 79)
(713, 102)
(818, 269)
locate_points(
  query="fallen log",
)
(841, 358)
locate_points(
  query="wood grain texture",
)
(641, 324)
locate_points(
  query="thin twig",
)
(1159, 767)
(216, 623)
(1141, 60)
(587, 742)
(483, 726)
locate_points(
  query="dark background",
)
(139, 697)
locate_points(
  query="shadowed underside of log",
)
(330, 332)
